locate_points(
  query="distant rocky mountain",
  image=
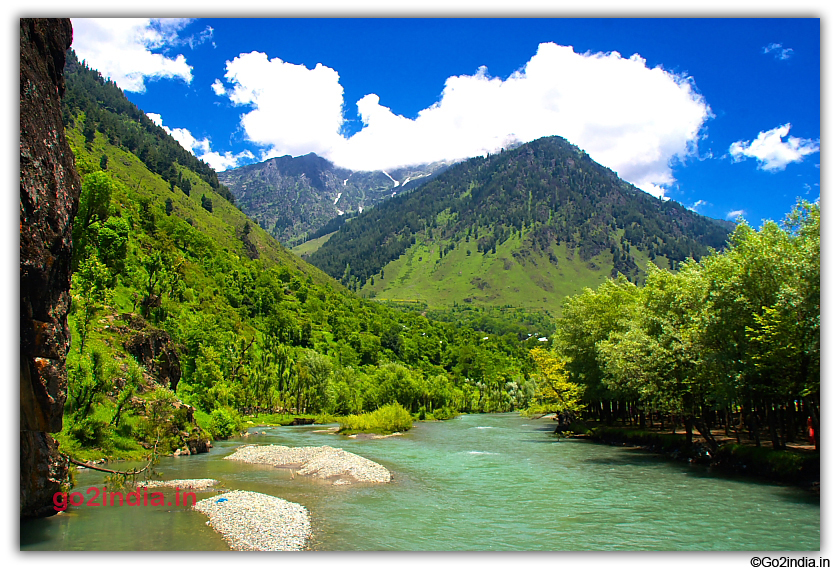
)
(292, 197)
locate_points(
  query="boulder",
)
(154, 349)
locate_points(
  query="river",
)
(477, 482)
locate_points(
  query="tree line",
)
(731, 341)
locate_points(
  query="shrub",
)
(88, 430)
(444, 413)
(223, 423)
(660, 442)
(788, 466)
(387, 419)
(324, 418)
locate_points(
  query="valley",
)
(475, 326)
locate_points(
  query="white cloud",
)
(156, 119)
(201, 147)
(196, 40)
(698, 204)
(220, 162)
(218, 88)
(120, 48)
(735, 214)
(295, 110)
(631, 118)
(771, 152)
(778, 51)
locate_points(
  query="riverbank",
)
(791, 467)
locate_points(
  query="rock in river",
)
(323, 462)
(254, 521)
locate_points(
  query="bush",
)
(324, 418)
(88, 431)
(659, 442)
(387, 419)
(223, 423)
(787, 466)
(445, 413)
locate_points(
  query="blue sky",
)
(722, 115)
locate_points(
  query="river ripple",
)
(478, 482)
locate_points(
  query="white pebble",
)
(323, 462)
(254, 521)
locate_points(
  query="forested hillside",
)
(179, 299)
(524, 228)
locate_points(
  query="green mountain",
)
(524, 228)
(292, 198)
(187, 317)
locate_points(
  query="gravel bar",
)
(192, 484)
(323, 462)
(254, 521)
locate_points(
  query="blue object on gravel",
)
(222, 500)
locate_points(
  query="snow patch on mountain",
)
(392, 180)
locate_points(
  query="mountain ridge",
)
(552, 210)
(292, 197)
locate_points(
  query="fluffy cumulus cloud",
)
(771, 152)
(124, 49)
(201, 147)
(634, 119)
(295, 110)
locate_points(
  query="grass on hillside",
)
(499, 279)
(221, 226)
(311, 246)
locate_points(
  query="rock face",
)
(154, 349)
(49, 196)
(289, 197)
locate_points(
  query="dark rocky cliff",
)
(49, 195)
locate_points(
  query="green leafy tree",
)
(586, 320)
(186, 186)
(555, 393)
(90, 291)
(94, 208)
(112, 243)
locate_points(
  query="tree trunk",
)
(688, 421)
(705, 431)
(769, 412)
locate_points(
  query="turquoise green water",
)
(481, 482)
